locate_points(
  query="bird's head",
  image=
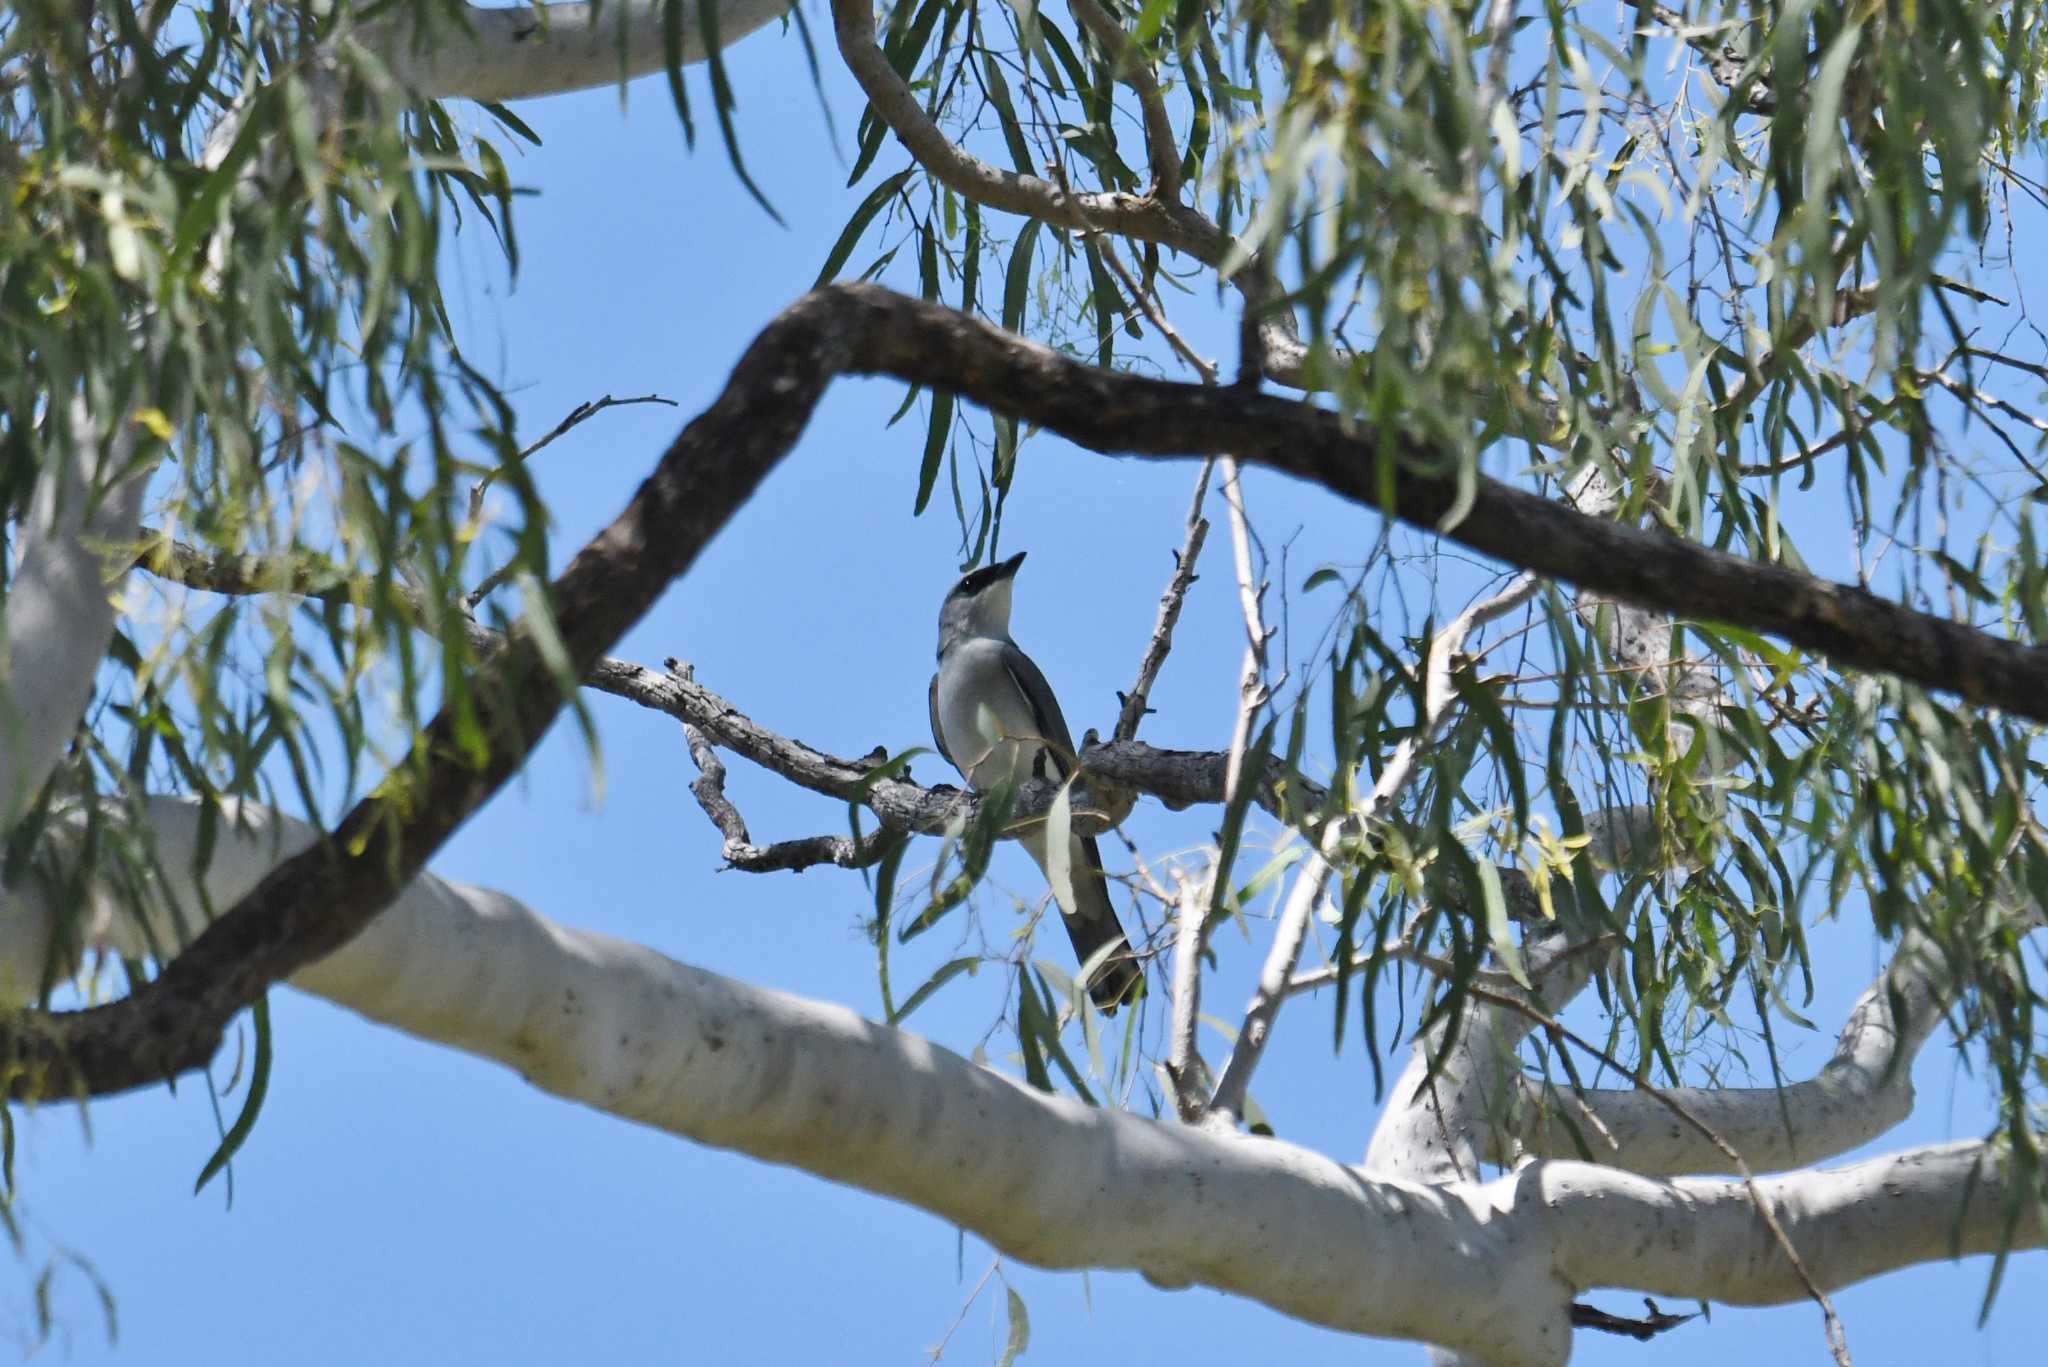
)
(979, 605)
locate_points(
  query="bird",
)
(995, 719)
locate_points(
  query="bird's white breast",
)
(986, 720)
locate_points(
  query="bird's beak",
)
(1010, 567)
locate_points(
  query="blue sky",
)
(403, 1204)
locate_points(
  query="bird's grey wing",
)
(1091, 922)
(1045, 708)
(938, 732)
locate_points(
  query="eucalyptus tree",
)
(1704, 327)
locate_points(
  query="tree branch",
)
(1490, 1269)
(1860, 1093)
(545, 49)
(1147, 218)
(1453, 1090)
(1184, 1066)
(1701, 1238)
(740, 850)
(1276, 978)
(1179, 778)
(59, 609)
(318, 902)
(1108, 411)
(1226, 1105)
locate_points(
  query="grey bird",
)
(995, 719)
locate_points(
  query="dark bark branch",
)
(882, 333)
(740, 850)
(1179, 778)
(808, 851)
(319, 900)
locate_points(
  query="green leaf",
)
(1498, 932)
(672, 59)
(1031, 1027)
(1485, 705)
(935, 440)
(722, 101)
(970, 261)
(1017, 282)
(850, 235)
(948, 971)
(252, 1102)
(202, 212)
(867, 145)
(1059, 845)
(1020, 1330)
(1109, 304)
(1013, 133)
(1047, 1016)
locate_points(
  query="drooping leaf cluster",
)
(225, 231)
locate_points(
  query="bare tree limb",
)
(1252, 692)
(1434, 1129)
(518, 53)
(1491, 1269)
(1148, 218)
(1226, 1105)
(740, 851)
(316, 902)
(1277, 976)
(1179, 778)
(1863, 1090)
(1772, 1218)
(59, 609)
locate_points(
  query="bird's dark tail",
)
(1092, 925)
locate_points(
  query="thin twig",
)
(938, 1350)
(1970, 395)
(709, 788)
(1149, 307)
(1135, 703)
(740, 850)
(1226, 1105)
(578, 415)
